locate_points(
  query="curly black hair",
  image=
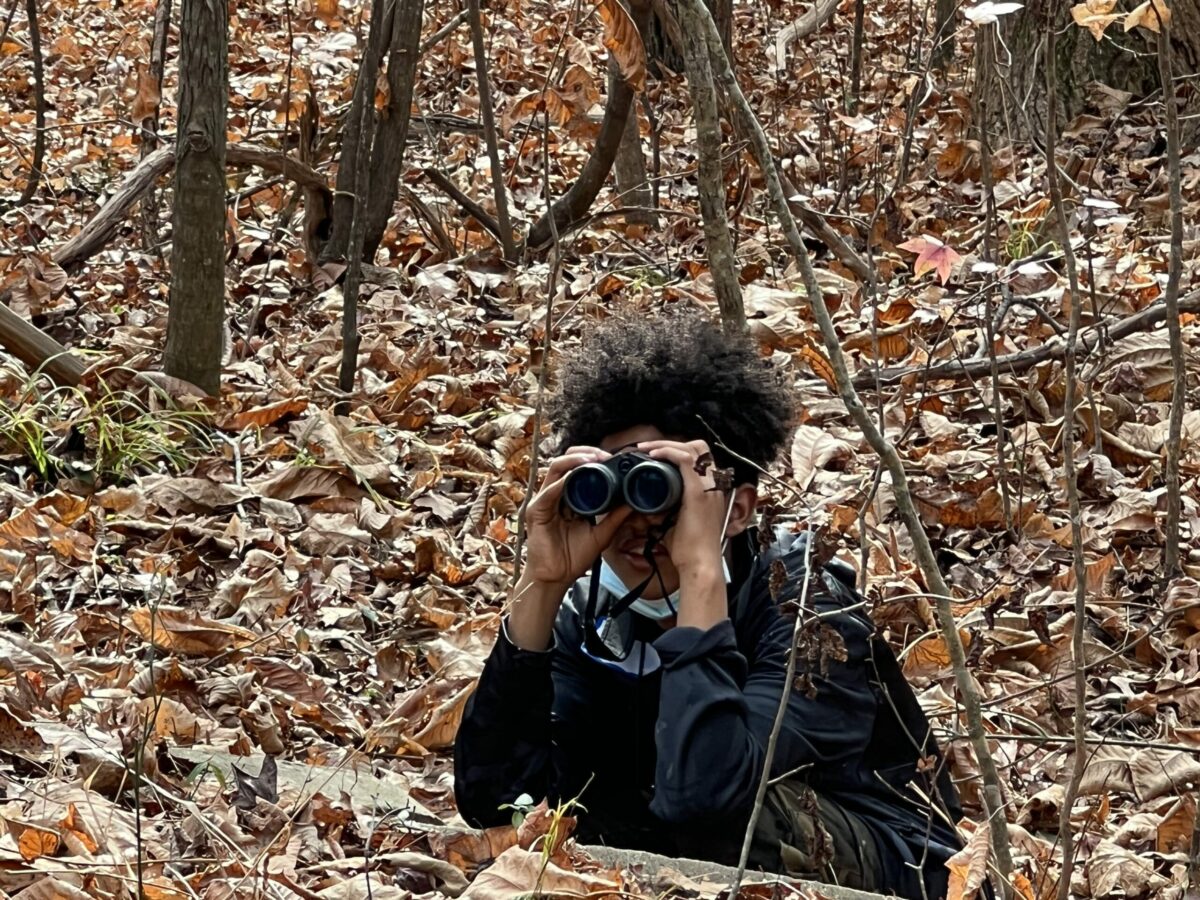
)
(682, 374)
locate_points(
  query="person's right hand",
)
(561, 546)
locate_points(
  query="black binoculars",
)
(648, 486)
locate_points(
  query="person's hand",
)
(694, 543)
(561, 546)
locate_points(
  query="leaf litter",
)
(262, 579)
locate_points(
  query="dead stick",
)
(749, 124)
(1015, 363)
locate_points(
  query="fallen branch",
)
(820, 13)
(34, 347)
(1016, 363)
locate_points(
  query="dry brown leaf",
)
(262, 416)
(35, 843)
(968, 867)
(820, 365)
(1151, 15)
(516, 872)
(186, 632)
(1095, 16)
(1113, 870)
(148, 96)
(815, 448)
(624, 42)
(1174, 833)
(49, 887)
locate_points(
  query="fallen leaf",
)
(35, 843)
(932, 256)
(623, 40)
(186, 632)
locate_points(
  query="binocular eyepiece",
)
(648, 486)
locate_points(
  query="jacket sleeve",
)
(502, 748)
(717, 709)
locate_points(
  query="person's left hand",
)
(695, 541)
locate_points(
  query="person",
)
(643, 657)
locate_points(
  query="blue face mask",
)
(659, 609)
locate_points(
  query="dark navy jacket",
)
(669, 762)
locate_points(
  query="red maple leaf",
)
(932, 255)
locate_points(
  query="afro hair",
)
(682, 374)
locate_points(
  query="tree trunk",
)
(195, 324)
(664, 40)
(393, 124)
(1014, 82)
(630, 166)
(363, 103)
(722, 260)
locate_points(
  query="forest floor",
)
(199, 580)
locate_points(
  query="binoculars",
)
(648, 486)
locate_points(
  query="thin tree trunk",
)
(149, 125)
(722, 261)
(354, 260)
(361, 105)
(387, 158)
(1066, 828)
(39, 92)
(856, 49)
(488, 114)
(1171, 299)
(631, 166)
(943, 33)
(195, 326)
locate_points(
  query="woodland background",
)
(260, 491)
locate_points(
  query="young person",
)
(643, 657)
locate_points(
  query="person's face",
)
(625, 553)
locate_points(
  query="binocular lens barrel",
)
(652, 487)
(590, 489)
(649, 486)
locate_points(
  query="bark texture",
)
(1014, 82)
(630, 166)
(392, 130)
(722, 260)
(197, 307)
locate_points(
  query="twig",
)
(548, 328)
(39, 90)
(750, 126)
(481, 215)
(488, 115)
(431, 41)
(986, 36)
(1171, 302)
(1066, 835)
(764, 780)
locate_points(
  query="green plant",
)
(112, 433)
